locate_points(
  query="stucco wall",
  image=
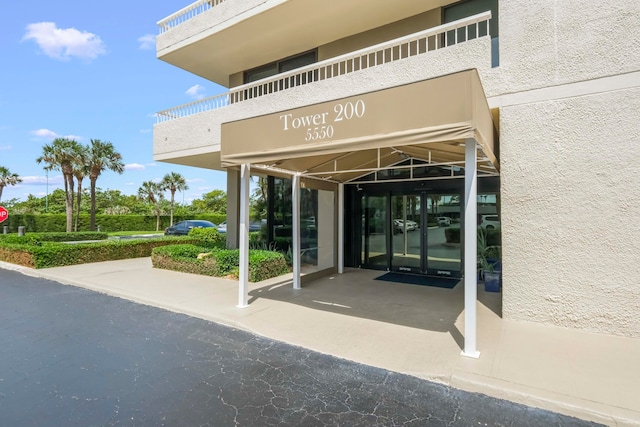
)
(225, 14)
(569, 163)
(570, 179)
(549, 42)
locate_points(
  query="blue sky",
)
(89, 70)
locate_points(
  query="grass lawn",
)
(131, 233)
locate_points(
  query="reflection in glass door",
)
(407, 239)
(374, 229)
(443, 242)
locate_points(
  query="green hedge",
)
(108, 223)
(221, 262)
(209, 237)
(55, 254)
(33, 238)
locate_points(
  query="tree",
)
(61, 155)
(80, 171)
(173, 182)
(102, 156)
(152, 192)
(7, 178)
(214, 201)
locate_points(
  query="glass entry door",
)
(374, 231)
(443, 244)
(407, 233)
(418, 232)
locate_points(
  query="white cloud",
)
(64, 43)
(134, 167)
(49, 134)
(147, 42)
(5, 147)
(44, 133)
(195, 92)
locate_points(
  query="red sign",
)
(4, 214)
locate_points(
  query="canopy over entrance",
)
(340, 140)
(443, 121)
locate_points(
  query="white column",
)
(340, 228)
(295, 232)
(243, 225)
(233, 207)
(470, 248)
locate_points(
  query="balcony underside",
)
(217, 43)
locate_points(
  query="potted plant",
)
(489, 257)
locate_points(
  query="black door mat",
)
(415, 279)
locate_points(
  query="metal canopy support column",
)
(470, 248)
(295, 199)
(243, 225)
(340, 228)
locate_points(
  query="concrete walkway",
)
(416, 330)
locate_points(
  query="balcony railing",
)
(184, 14)
(420, 43)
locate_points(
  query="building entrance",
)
(413, 232)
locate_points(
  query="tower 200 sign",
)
(4, 214)
(319, 126)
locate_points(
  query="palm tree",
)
(152, 192)
(102, 156)
(80, 171)
(173, 182)
(7, 178)
(60, 155)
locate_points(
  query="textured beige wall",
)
(211, 20)
(570, 179)
(570, 164)
(548, 42)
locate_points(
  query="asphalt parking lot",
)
(74, 357)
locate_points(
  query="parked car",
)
(182, 228)
(490, 222)
(253, 226)
(443, 221)
(398, 225)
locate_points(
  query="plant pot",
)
(491, 281)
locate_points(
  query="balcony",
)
(190, 134)
(215, 39)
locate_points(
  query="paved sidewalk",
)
(415, 330)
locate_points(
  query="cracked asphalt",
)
(72, 357)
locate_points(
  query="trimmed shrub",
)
(265, 265)
(222, 262)
(54, 254)
(29, 238)
(228, 261)
(184, 258)
(209, 237)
